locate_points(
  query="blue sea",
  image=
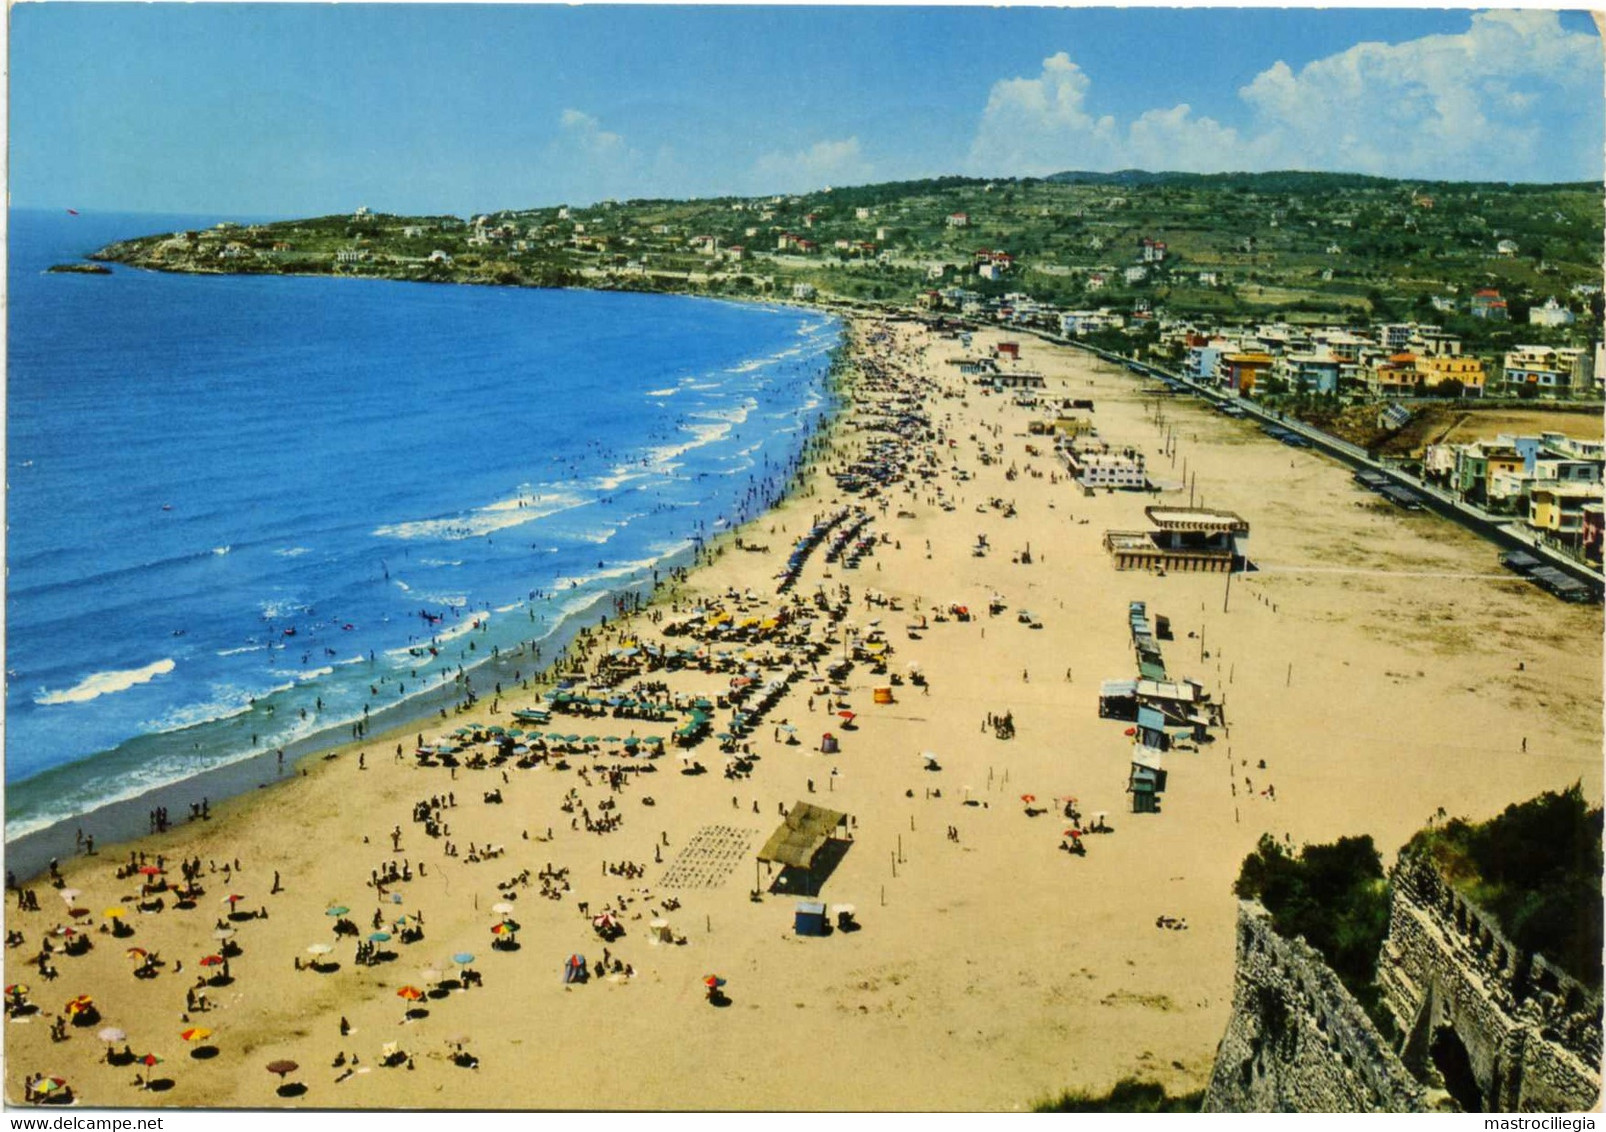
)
(244, 510)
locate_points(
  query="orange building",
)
(1243, 371)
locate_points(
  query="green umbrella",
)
(589, 739)
(337, 910)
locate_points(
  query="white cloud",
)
(1515, 97)
(824, 163)
(595, 162)
(585, 132)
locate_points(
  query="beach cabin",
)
(1118, 699)
(809, 918)
(1146, 782)
(1151, 729)
(1181, 703)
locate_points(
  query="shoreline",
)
(118, 823)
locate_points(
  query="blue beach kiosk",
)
(809, 918)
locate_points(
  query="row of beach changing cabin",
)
(1548, 578)
(1155, 704)
(1397, 494)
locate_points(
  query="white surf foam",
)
(105, 683)
(504, 513)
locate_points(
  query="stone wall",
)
(1297, 1041)
(1531, 1033)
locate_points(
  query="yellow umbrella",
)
(113, 913)
(195, 1034)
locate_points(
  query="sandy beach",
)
(1376, 667)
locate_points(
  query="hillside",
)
(1292, 244)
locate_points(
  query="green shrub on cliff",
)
(1333, 895)
(1127, 1095)
(1537, 869)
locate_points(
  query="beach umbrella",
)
(319, 949)
(114, 913)
(410, 993)
(378, 937)
(47, 1085)
(462, 957)
(17, 988)
(212, 961)
(195, 1034)
(80, 1004)
(589, 739)
(150, 1059)
(281, 1068)
(1076, 834)
(112, 1034)
(69, 894)
(848, 715)
(1028, 798)
(501, 929)
(1130, 731)
(713, 982)
(336, 910)
(232, 899)
(223, 933)
(502, 908)
(150, 870)
(137, 953)
(78, 913)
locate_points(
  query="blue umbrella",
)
(379, 937)
(337, 910)
(462, 957)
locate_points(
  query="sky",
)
(288, 109)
